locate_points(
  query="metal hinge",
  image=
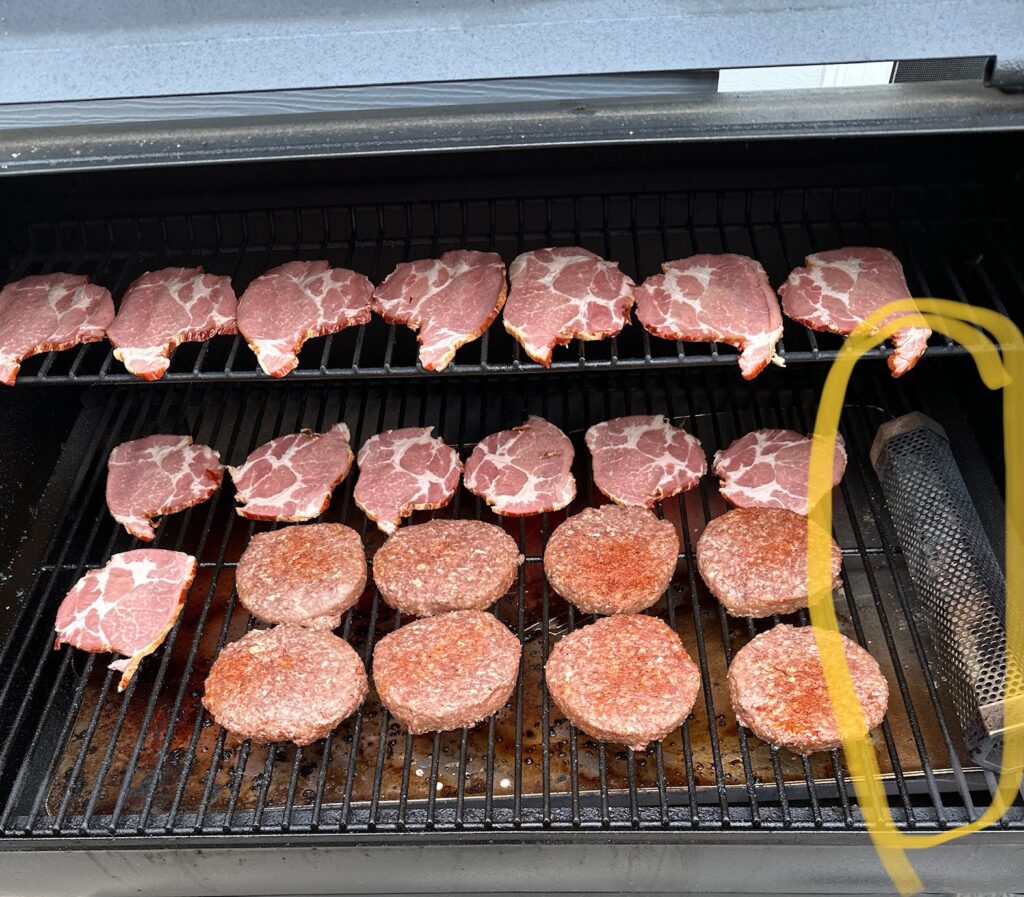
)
(1006, 74)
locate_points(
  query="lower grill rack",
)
(77, 759)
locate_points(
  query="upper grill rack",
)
(77, 759)
(963, 258)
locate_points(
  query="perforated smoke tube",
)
(955, 573)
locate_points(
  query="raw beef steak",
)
(643, 459)
(162, 309)
(715, 298)
(297, 301)
(523, 471)
(401, 471)
(450, 301)
(159, 475)
(768, 469)
(778, 690)
(565, 293)
(126, 607)
(49, 312)
(837, 290)
(292, 477)
(285, 684)
(625, 679)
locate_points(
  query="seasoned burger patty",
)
(446, 565)
(612, 560)
(778, 689)
(754, 560)
(625, 679)
(306, 575)
(446, 672)
(285, 684)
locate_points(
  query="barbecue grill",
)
(110, 793)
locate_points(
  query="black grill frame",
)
(951, 242)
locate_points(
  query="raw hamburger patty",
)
(446, 565)
(285, 684)
(446, 672)
(754, 561)
(612, 560)
(306, 575)
(769, 468)
(643, 459)
(778, 690)
(625, 679)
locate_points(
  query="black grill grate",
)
(76, 759)
(946, 251)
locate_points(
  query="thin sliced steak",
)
(612, 560)
(837, 290)
(768, 469)
(158, 475)
(401, 471)
(625, 679)
(565, 293)
(292, 477)
(523, 471)
(450, 301)
(643, 459)
(715, 298)
(446, 565)
(754, 561)
(778, 690)
(285, 684)
(446, 672)
(297, 301)
(47, 313)
(163, 309)
(302, 575)
(126, 607)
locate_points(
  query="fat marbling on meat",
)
(523, 471)
(297, 301)
(565, 293)
(158, 475)
(837, 290)
(450, 301)
(126, 607)
(292, 477)
(715, 298)
(643, 458)
(406, 470)
(49, 312)
(163, 309)
(769, 468)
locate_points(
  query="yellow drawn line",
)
(998, 371)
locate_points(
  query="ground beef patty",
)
(446, 565)
(612, 560)
(778, 689)
(306, 575)
(626, 679)
(285, 684)
(754, 561)
(446, 672)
